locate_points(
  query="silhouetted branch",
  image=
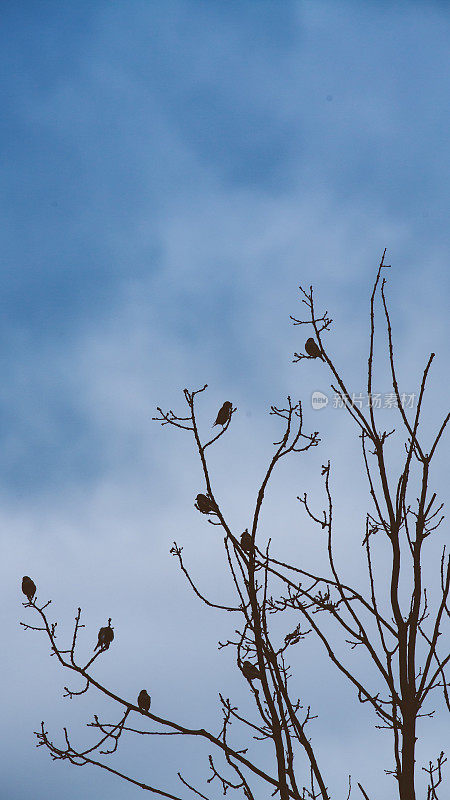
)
(384, 622)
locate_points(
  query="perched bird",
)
(250, 671)
(204, 504)
(105, 637)
(224, 413)
(312, 348)
(246, 541)
(28, 587)
(144, 700)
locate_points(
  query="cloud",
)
(172, 181)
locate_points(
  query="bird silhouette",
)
(250, 671)
(28, 587)
(105, 637)
(204, 504)
(246, 541)
(144, 700)
(224, 413)
(312, 349)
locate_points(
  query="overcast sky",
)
(171, 172)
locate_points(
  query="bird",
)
(250, 671)
(246, 541)
(28, 587)
(312, 348)
(105, 637)
(144, 700)
(204, 504)
(224, 413)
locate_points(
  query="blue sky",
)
(171, 171)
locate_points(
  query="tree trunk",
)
(406, 782)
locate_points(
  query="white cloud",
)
(220, 262)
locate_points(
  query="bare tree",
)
(398, 629)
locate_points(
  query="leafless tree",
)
(398, 629)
